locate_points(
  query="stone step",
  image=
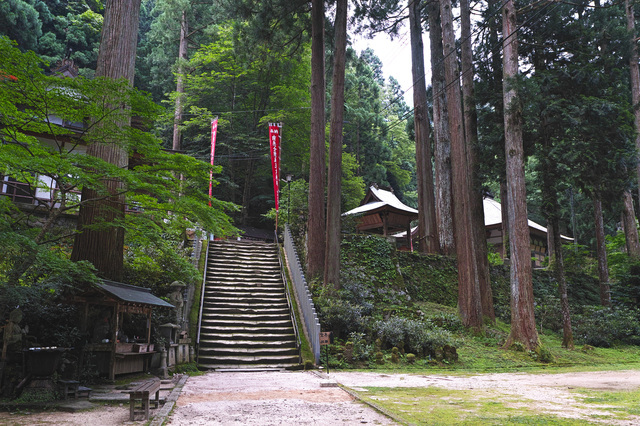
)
(249, 301)
(211, 337)
(222, 344)
(212, 330)
(244, 310)
(249, 351)
(240, 287)
(240, 323)
(244, 295)
(248, 360)
(244, 319)
(231, 303)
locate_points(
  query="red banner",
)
(275, 135)
(214, 131)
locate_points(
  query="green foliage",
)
(166, 189)
(371, 255)
(414, 335)
(605, 327)
(430, 277)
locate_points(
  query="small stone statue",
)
(177, 299)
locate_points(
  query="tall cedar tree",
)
(601, 250)
(634, 70)
(630, 227)
(316, 220)
(469, 300)
(471, 135)
(441, 135)
(100, 237)
(427, 230)
(523, 322)
(182, 56)
(332, 253)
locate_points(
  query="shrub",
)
(339, 316)
(605, 327)
(415, 336)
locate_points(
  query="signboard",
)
(326, 337)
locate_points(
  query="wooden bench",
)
(141, 393)
(73, 388)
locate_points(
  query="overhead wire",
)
(494, 48)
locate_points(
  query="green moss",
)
(195, 308)
(435, 406)
(430, 278)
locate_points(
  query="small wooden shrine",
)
(116, 317)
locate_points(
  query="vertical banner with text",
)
(275, 135)
(214, 131)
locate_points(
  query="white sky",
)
(396, 57)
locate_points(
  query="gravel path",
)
(269, 398)
(302, 398)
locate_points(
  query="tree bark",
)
(427, 230)
(332, 252)
(471, 135)
(523, 322)
(316, 220)
(441, 136)
(504, 212)
(100, 238)
(630, 227)
(557, 264)
(634, 70)
(469, 299)
(601, 253)
(182, 56)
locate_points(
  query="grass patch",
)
(623, 403)
(434, 406)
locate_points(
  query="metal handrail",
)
(303, 295)
(292, 312)
(204, 283)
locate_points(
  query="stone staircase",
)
(246, 322)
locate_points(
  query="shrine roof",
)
(132, 294)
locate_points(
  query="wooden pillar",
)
(149, 311)
(114, 340)
(384, 223)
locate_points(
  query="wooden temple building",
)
(383, 213)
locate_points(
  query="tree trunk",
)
(634, 70)
(246, 192)
(504, 212)
(469, 299)
(332, 252)
(316, 220)
(441, 136)
(427, 230)
(471, 135)
(182, 56)
(630, 227)
(601, 253)
(104, 245)
(557, 264)
(523, 322)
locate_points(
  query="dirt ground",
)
(300, 398)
